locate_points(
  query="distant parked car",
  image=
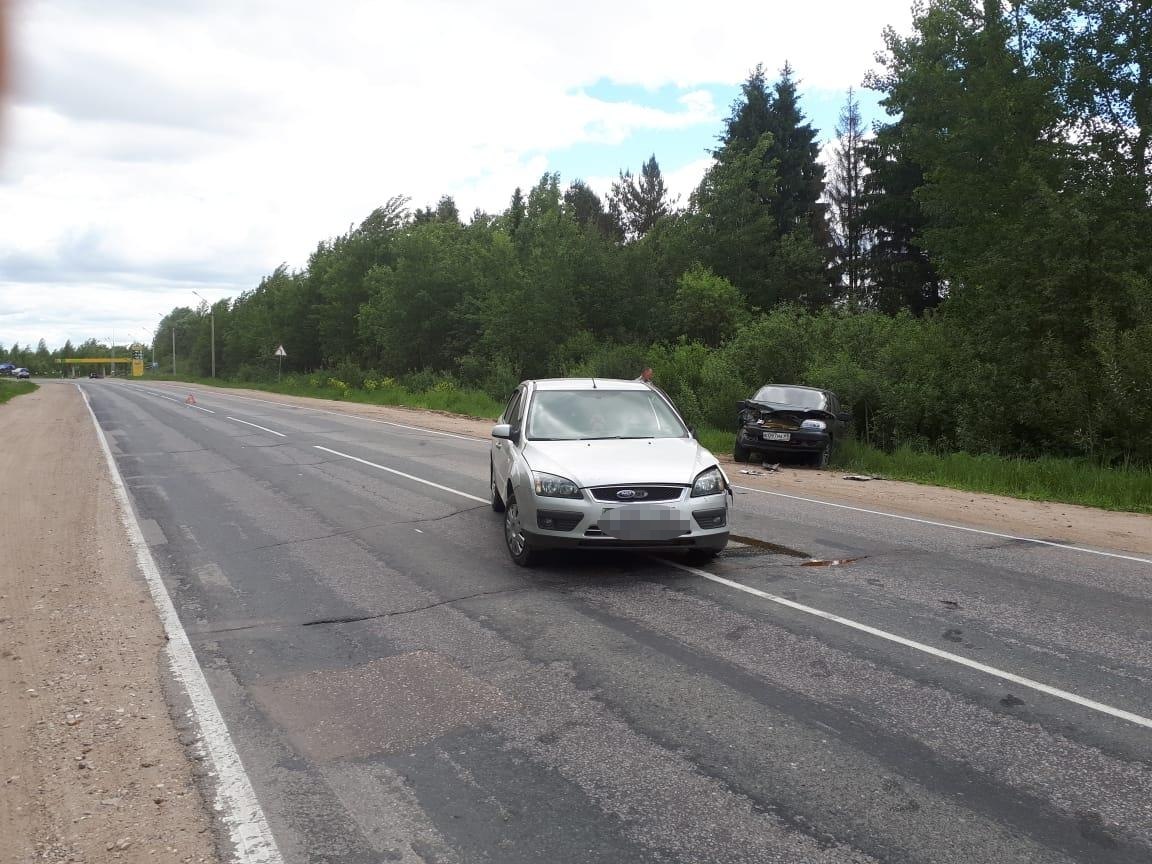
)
(788, 420)
(7, 368)
(95, 374)
(23, 373)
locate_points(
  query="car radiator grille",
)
(644, 494)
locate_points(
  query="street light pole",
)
(212, 319)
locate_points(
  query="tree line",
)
(43, 361)
(974, 272)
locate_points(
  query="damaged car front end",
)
(789, 421)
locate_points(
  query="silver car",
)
(602, 464)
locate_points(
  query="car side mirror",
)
(844, 418)
(506, 432)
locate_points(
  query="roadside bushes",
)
(922, 383)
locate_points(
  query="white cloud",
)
(206, 142)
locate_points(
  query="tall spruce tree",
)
(898, 272)
(800, 176)
(641, 201)
(845, 195)
(760, 218)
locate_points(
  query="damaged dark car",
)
(783, 421)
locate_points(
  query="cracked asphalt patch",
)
(380, 707)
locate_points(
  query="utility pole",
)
(212, 318)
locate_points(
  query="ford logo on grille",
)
(629, 494)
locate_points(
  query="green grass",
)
(719, 441)
(12, 389)
(1072, 481)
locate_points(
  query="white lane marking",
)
(352, 416)
(953, 527)
(170, 399)
(161, 395)
(236, 801)
(919, 646)
(847, 622)
(258, 426)
(402, 474)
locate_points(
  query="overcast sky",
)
(152, 148)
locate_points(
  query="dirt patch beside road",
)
(1068, 523)
(91, 768)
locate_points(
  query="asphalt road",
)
(399, 691)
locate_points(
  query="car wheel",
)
(820, 460)
(740, 453)
(519, 547)
(497, 501)
(701, 556)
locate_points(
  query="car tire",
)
(821, 459)
(740, 453)
(519, 546)
(497, 501)
(697, 557)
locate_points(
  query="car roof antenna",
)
(594, 387)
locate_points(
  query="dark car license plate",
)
(643, 523)
(777, 436)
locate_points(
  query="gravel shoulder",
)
(1067, 523)
(91, 764)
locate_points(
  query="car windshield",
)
(587, 415)
(797, 396)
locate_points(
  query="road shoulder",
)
(91, 763)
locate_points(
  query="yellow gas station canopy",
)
(95, 360)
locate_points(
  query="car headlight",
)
(818, 425)
(710, 482)
(551, 486)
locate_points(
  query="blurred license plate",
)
(777, 436)
(643, 523)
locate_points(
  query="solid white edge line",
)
(984, 531)
(352, 416)
(919, 646)
(257, 426)
(402, 474)
(236, 801)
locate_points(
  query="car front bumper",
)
(568, 523)
(799, 440)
